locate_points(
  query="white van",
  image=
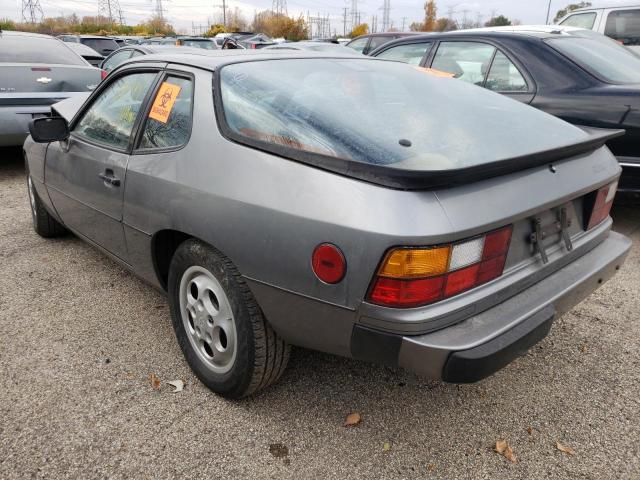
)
(620, 23)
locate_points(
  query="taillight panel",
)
(414, 277)
(601, 205)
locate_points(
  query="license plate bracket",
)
(541, 233)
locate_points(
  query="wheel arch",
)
(164, 244)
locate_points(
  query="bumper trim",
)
(469, 366)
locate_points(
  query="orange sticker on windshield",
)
(162, 105)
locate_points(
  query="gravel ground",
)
(79, 337)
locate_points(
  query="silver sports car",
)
(356, 206)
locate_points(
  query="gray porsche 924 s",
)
(351, 205)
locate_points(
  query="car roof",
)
(541, 31)
(101, 37)
(214, 59)
(13, 33)
(604, 7)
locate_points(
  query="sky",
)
(183, 14)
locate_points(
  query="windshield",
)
(601, 56)
(206, 44)
(27, 49)
(381, 113)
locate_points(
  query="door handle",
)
(109, 177)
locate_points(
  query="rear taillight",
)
(602, 204)
(413, 277)
(253, 45)
(103, 74)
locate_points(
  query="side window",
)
(116, 59)
(581, 20)
(109, 120)
(624, 26)
(169, 120)
(359, 44)
(409, 53)
(136, 53)
(504, 76)
(377, 41)
(468, 61)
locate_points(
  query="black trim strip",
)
(411, 179)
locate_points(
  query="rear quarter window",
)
(27, 49)
(601, 56)
(624, 26)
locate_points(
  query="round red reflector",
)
(328, 263)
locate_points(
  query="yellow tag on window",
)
(162, 105)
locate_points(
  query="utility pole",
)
(386, 8)
(344, 22)
(31, 11)
(159, 9)
(404, 21)
(108, 9)
(354, 13)
(279, 7)
(548, 12)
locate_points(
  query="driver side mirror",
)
(49, 129)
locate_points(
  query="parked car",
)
(197, 42)
(88, 53)
(35, 72)
(102, 45)
(313, 47)
(618, 22)
(366, 44)
(575, 74)
(125, 53)
(257, 41)
(445, 239)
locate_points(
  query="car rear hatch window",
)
(602, 57)
(28, 49)
(385, 122)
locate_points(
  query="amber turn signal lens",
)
(408, 263)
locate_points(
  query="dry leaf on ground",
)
(565, 449)
(178, 385)
(530, 430)
(503, 448)
(352, 419)
(155, 381)
(431, 467)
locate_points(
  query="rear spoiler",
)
(426, 180)
(405, 179)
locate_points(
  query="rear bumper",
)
(14, 123)
(479, 346)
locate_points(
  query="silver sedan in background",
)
(37, 71)
(360, 207)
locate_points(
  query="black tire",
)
(43, 223)
(261, 356)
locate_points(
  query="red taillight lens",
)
(103, 74)
(328, 263)
(406, 293)
(602, 204)
(253, 45)
(468, 264)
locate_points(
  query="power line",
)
(32, 11)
